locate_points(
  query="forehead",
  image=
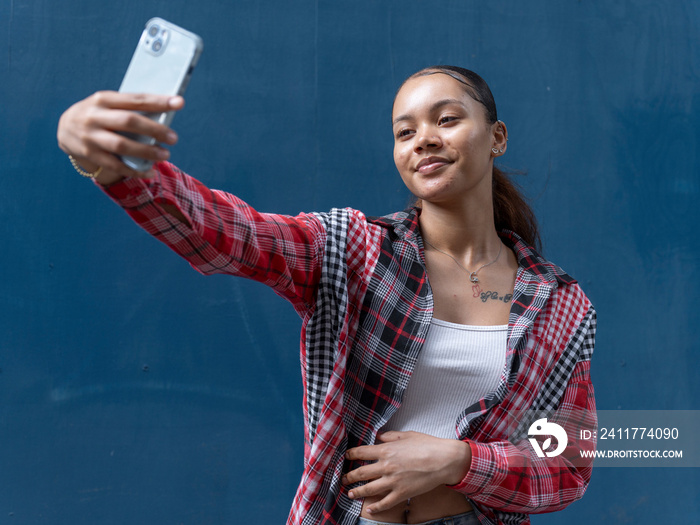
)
(421, 93)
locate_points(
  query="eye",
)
(403, 133)
(446, 119)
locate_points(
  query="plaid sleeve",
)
(226, 235)
(510, 477)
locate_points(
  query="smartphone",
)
(162, 64)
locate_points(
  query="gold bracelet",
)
(82, 171)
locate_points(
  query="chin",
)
(436, 195)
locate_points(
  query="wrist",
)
(460, 464)
(93, 171)
(107, 178)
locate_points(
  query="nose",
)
(427, 139)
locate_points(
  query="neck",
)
(466, 232)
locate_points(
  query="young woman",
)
(425, 333)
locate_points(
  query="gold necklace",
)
(473, 277)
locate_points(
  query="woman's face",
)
(442, 141)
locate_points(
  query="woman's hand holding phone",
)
(118, 134)
(90, 132)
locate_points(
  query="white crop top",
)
(458, 365)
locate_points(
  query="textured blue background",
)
(133, 390)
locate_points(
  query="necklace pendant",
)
(473, 277)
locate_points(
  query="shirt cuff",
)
(131, 191)
(482, 471)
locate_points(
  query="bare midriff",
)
(438, 503)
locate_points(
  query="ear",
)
(500, 139)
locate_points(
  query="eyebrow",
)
(437, 105)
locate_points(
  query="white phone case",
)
(162, 64)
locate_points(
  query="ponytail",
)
(512, 212)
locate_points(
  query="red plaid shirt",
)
(360, 287)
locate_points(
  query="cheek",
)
(397, 160)
(401, 163)
(400, 157)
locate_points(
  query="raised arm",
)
(215, 231)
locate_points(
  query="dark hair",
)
(510, 209)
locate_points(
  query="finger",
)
(102, 147)
(365, 452)
(392, 435)
(364, 473)
(131, 122)
(146, 102)
(391, 500)
(94, 114)
(377, 487)
(124, 146)
(112, 163)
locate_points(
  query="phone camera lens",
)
(153, 30)
(157, 45)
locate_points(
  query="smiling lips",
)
(430, 164)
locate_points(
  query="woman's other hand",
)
(406, 464)
(88, 131)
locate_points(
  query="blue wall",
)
(133, 390)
